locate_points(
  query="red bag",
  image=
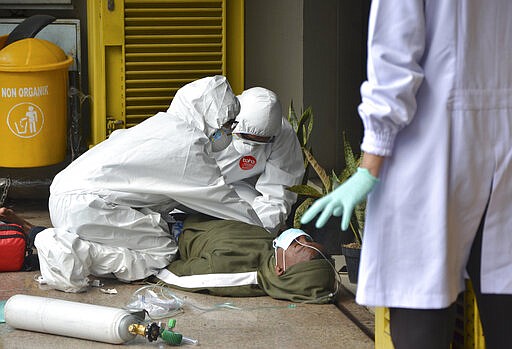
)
(13, 247)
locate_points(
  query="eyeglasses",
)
(230, 125)
(255, 138)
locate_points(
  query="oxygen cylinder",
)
(72, 319)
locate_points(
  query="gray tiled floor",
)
(262, 322)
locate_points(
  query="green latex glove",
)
(341, 201)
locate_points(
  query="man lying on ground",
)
(231, 258)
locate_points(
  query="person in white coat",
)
(437, 113)
(108, 206)
(264, 158)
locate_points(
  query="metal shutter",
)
(142, 51)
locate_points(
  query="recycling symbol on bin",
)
(25, 120)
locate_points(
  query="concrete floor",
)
(261, 322)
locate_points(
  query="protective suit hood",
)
(207, 103)
(260, 113)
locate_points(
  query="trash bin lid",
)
(33, 54)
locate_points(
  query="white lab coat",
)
(261, 177)
(438, 100)
(113, 195)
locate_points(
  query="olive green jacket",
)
(230, 258)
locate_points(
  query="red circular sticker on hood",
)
(247, 162)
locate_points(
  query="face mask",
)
(243, 146)
(287, 237)
(220, 139)
(284, 241)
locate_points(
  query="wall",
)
(321, 78)
(312, 52)
(273, 48)
(353, 23)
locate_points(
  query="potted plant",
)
(309, 192)
(352, 251)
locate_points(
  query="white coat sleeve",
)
(396, 41)
(284, 168)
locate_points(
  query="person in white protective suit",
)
(437, 112)
(264, 158)
(108, 206)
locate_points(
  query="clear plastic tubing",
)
(186, 340)
(72, 319)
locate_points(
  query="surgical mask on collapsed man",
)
(221, 139)
(285, 239)
(244, 146)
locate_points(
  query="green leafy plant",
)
(330, 182)
(352, 162)
(303, 125)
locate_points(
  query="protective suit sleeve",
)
(284, 168)
(202, 187)
(396, 43)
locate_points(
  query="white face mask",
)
(287, 237)
(244, 146)
(285, 240)
(220, 139)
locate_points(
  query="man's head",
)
(259, 120)
(295, 246)
(303, 272)
(208, 103)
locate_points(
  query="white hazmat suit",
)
(261, 172)
(106, 207)
(438, 102)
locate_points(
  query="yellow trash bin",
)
(33, 103)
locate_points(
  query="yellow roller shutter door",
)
(142, 51)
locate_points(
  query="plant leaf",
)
(305, 190)
(335, 181)
(305, 126)
(359, 213)
(351, 161)
(292, 118)
(299, 212)
(345, 174)
(319, 170)
(310, 123)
